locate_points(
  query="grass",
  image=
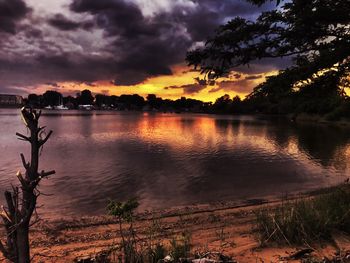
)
(306, 220)
(180, 247)
(144, 252)
(150, 249)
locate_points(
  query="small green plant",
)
(149, 249)
(180, 247)
(124, 212)
(155, 253)
(306, 220)
(155, 250)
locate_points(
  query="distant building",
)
(86, 107)
(10, 100)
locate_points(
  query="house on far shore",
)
(7, 100)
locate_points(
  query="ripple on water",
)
(170, 159)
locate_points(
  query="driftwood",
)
(21, 202)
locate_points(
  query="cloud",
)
(144, 47)
(126, 42)
(253, 77)
(188, 89)
(242, 86)
(61, 22)
(53, 84)
(237, 75)
(105, 91)
(11, 11)
(214, 90)
(265, 65)
(201, 81)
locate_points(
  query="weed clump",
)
(306, 220)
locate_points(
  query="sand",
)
(221, 228)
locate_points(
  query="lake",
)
(171, 160)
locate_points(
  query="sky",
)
(118, 47)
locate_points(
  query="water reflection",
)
(173, 159)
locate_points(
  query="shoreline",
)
(316, 119)
(302, 118)
(65, 241)
(224, 228)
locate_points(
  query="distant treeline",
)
(134, 102)
(317, 99)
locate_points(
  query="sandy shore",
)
(225, 228)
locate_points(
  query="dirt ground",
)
(218, 228)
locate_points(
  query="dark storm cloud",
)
(83, 69)
(61, 22)
(33, 33)
(121, 44)
(201, 23)
(144, 56)
(11, 11)
(210, 14)
(144, 46)
(149, 46)
(265, 65)
(55, 68)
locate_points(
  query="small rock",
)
(203, 260)
(168, 259)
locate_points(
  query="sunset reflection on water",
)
(174, 159)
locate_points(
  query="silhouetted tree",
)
(33, 100)
(102, 100)
(85, 98)
(138, 101)
(21, 203)
(314, 33)
(131, 102)
(70, 102)
(309, 29)
(236, 105)
(152, 101)
(222, 104)
(52, 98)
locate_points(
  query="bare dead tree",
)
(21, 202)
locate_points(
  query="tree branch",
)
(42, 175)
(41, 128)
(5, 215)
(37, 115)
(22, 181)
(25, 164)
(42, 142)
(45, 174)
(3, 250)
(10, 205)
(23, 137)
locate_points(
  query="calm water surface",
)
(173, 159)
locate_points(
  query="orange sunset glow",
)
(167, 86)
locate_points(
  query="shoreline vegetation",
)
(264, 231)
(297, 118)
(320, 109)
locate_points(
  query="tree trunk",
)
(17, 216)
(23, 244)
